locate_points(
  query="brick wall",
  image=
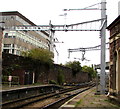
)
(114, 81)
(43, 74)
(114, 47)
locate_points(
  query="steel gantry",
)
(98, 47)
(94, 25)
(84, 49)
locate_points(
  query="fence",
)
(10, 80)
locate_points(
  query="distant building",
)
(16, 41)
(114, 40)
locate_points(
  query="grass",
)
(90, 99)
(106, 100)
(78, 103)
(97, 95)
(81, 100)
(91, 103)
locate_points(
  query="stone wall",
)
(27, 75)
(67, 74)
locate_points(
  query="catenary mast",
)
(103, 41)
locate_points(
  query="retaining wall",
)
(27, 74)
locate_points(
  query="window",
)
(9, 37)
(13, 45)
(7, 45)
(18, 52)
(6, 50)
(12, 51)
(6, 35)
(14, 36)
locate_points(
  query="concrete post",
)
(103, 41)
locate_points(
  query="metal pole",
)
(103, 41)
(51, 36)
(97, 83)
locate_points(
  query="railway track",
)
(47, 100)
(56, 104)
(62, 99)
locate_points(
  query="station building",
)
(14, 42)
(114, 83)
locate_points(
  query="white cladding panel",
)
(118, 8)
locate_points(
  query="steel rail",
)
(59, 102)
(27, 101)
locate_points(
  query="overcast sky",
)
(42, 11)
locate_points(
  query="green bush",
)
(5, 78)
(60, 79)
(75, 66)
(52, 82)
(15, 79)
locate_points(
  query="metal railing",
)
(10, 80)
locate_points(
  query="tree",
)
(9, 69)
(91, 72)
(75, 66)
(43, 55)
(39, 57)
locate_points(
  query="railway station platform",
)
(10, 94)
(7, 87)
(89, 100)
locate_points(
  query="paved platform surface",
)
(88, 100)
(7, 87)
(14, 87)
